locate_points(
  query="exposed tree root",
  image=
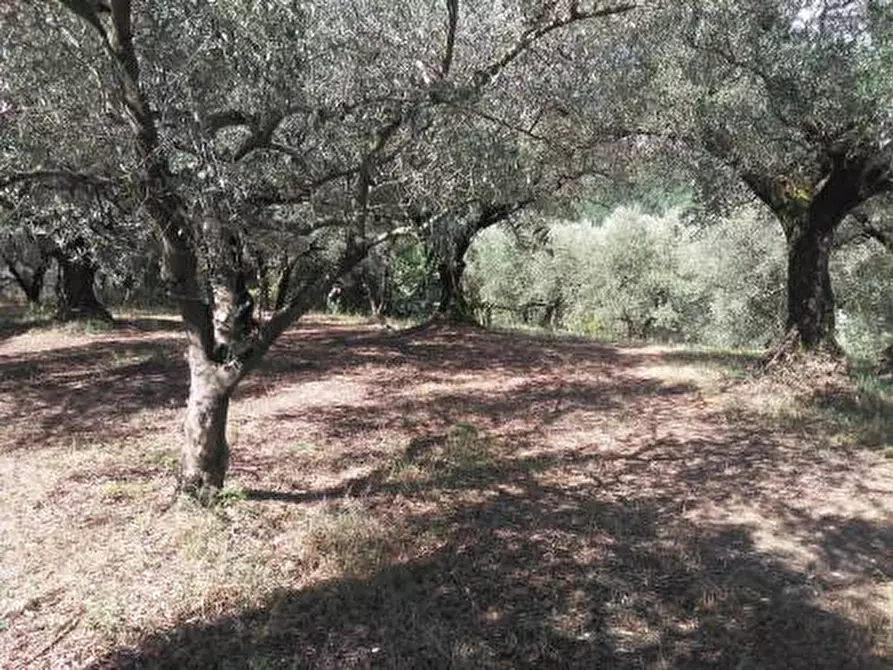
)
(791, 352)
(818, 370)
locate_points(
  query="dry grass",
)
(445, 498)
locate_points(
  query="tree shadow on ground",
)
(740, 464)
(309, 351)
(579, 555)
(91, 390)
(16, 320)
(531, 574)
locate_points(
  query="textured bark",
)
(283, 284)
(30, 280)
(205, 450)
(810, 213)
(885, 361)
(453, 303)
(810, 297)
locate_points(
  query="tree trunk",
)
(453, 303)
(283, 284)
(263, 280)
(810, 297)
(30, 280)
(205, 449)
(885, 361)
(75, 290)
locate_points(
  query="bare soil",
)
(445, 497)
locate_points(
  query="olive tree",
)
(794, 98)
(58, 217)
(307, 125)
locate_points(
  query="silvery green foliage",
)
(635, 275)
(289, 120)
(773, 85)
(737, 266)
(864, 275)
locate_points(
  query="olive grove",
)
(262, 153)
(290, 130)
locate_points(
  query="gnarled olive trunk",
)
(453, 303)
(810, 210)
(205, 449)
(76, 293)
(810, 297)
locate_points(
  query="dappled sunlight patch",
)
(479, 383)
(339, 390)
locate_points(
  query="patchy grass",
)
(447, 497)
(841, 407)
(345, 539)
(458, 458)
(863, 409)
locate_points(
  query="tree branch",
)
(67, 178)
(531, 35)
(164, 205)
(452, 23)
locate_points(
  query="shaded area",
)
(737, 466)
(571, 512)
(94, 388)
(16, 320)
(310, 350)
(543, 575)
(91, 390)
(870, 410)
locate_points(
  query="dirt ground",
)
(447, 497)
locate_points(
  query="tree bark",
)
(263, 280)
(283, 284)
(30, 280)
(885, 361)
(205, 450)
(453, 303)
(76, 291)
(809, 214)
(810, 296)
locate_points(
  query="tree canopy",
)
(267, 150)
